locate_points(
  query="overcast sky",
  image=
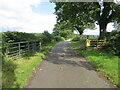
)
(30, 16)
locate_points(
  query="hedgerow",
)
(113, 42)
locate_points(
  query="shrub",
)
(8, 73)
(17, 36)
(10, 37)
(46, 37)
(76, 38)
(113, 43)
(62, 38)
(58, 38)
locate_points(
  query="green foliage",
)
(46, 37)
(25, 53)
(78, 18)
(76, 38)
(66, 33)
(83, 15)
(102, 61)
(112, 42)
(8, 73)
(17, 37)
(63, 25)
(58, 38)
(10, 37)
(38, 36)
(63, 33)
(62, 38)
(11, 78)
(63, 29)
(16, 73)
(85, 37)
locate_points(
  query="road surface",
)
(64, 68)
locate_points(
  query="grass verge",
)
(22, 68)
(101, 60)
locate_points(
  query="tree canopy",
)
(81, 15)
(63, 29)
(75, 14)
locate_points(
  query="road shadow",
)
(64, 54)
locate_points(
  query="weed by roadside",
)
(21, 69)
(103, 61)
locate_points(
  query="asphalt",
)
(64, 68)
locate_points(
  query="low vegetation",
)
(17, 72)
(102, 60)
(112, 42)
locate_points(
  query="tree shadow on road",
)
(68, 58)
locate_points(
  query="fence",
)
(96, 43)
(0, 49)
(19, 49)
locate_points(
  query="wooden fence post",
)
(19, 48)
(35, 46)
(97, 44)
(28, 49)
(7, 52)
(40, 45)
(15, 48)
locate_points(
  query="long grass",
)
(24, 68)
(102, 60)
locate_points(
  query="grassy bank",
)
(23, 68)
(103, 61)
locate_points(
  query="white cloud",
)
(109, 28)
(18, 14)
(88, 31)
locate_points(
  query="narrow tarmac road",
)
(63, 68)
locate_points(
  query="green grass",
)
(23, 69)
(103, 61)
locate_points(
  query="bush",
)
(8, 73)
(113, 43)
(76, 38)
(10, 37)
(17, 37)
(46, 37)
(66, 33)
(58, 38)
(62, 38)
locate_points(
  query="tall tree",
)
(63, 29)
(107, 14)
(82, 14)
(76, 13)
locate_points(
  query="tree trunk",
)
(81, 34)
(80, 30)
(102, 27)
